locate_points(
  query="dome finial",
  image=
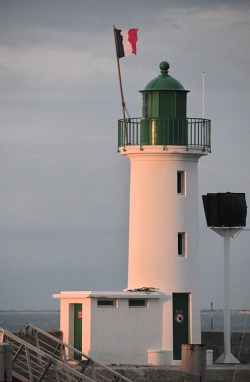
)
(164, 66)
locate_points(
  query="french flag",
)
(125, 41)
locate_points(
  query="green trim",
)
(189, 132)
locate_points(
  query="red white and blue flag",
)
(125, 41)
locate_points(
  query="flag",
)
(125, 41)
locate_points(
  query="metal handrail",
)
(64, 349)
(36, 359)
(30, 363)
(194, 133)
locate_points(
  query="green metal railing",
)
(189, 132)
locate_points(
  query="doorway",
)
(77, 329)
(180, 323)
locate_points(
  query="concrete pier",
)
(214, 373)
(240, 347)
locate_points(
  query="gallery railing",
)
(189, 132)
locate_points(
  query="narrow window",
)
(145, 105)
(137, 302)
(105, 302)
(181, 186)
(182, 244)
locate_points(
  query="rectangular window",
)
(137, 302)
(145, 105)
(106, 302)
(181, 182)
(182, 245)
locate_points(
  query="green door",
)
(180, 322)
(77, 329)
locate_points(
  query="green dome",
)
(164, 81)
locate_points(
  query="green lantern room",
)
(164, 110)
(164, 119)
(164, 96)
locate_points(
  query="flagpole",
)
(121, 89)
(203, 108)
(203, 95)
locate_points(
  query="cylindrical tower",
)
(164, 147)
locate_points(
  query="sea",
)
(14, 321)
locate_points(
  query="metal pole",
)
(121, 90)
(227, 356)
(211, 318)
(6, 351)
(203, 95)
(227, 329)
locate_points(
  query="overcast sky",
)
(64, 189)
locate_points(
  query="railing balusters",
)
(190, 132)
(38, 363)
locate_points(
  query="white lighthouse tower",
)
(164, 147)
(148, 322)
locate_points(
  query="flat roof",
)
(109, 294)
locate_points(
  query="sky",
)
(64, 189)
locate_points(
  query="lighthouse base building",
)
(129, 327)
(147, 323)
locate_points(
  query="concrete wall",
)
(173, 373)
(118, 334)
(157, 214)
(123, 334)
(67, 318)
(240, 344)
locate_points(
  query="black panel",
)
(225, 209)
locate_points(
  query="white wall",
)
(67, 301)
(122, 335)
(157, 214)
(114, 335)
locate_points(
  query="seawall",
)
(240, 344)
(240, 347)
(214, 373)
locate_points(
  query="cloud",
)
(64, 189)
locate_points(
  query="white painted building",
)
(112, 323)
(160, 310)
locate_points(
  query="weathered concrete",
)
(240, 344)
(215, 373)
(240, 348)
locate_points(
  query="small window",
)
(181, 182)
(182, 244)
(137, 302)
(105, 302)
(145, 105)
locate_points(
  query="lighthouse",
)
(164, 147)
(159, 310)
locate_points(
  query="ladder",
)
(40, 357)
